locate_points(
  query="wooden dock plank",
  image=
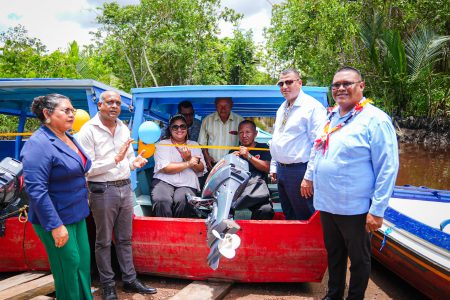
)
(19, 279)
(200, 290)
(41, 286)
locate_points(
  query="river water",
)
(424, 166)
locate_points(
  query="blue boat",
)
(414, 241)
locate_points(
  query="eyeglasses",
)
(176, 127)
(68, 110)
(287, 82)
(112, 102)
(345, 84)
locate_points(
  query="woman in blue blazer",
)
(54, 171)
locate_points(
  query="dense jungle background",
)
(402, 48)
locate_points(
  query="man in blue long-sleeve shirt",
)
(352, 171)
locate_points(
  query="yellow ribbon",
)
(16, 134)
(166, 145)
(211, 147)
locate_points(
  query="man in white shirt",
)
(298, 119)
(220, 129)
(107, 142)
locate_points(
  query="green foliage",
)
(240, 58)
(26, 57)
(9, 124)
(168, 43)
(315, 36)
(399, 66)
(401, 46)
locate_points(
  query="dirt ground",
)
(382, 285)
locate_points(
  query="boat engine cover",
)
(10, 181)
(224, 184)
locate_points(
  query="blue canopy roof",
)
(249, 100)
(17, 94)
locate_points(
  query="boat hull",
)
(424, 275)
(270, 251)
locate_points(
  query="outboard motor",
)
(11, 182)
(224, 185)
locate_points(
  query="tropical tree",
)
(316, 36)
(404, 68)
(164, 43)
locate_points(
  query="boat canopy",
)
(17, 94)
(248, 100)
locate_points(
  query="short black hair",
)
(249, 122)
(291, 70)
(185, 104)
(351, 69)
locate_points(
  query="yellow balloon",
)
(81, 117)
(149, 149)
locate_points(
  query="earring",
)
(48, 121)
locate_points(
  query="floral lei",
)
(324, 139)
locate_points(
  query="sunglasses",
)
(287, 82)
(345, 84)
(176, 127)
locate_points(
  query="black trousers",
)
(170, 201)
(346, 237)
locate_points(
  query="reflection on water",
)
(424, 166)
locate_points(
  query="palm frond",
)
(423, 49)
(370, 31)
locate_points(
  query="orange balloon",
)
(81, 117)
(149, 149)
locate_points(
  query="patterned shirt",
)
(215, 132)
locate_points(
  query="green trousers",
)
(71, 264)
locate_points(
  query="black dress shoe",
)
(109, 292)
(137, 287)
(330, 298)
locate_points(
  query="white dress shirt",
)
(292, 142)
(102, 147)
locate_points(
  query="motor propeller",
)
(228, 244)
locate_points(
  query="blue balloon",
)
(149, 132)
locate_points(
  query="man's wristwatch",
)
(249, 157)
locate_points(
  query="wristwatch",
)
(249, 157)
